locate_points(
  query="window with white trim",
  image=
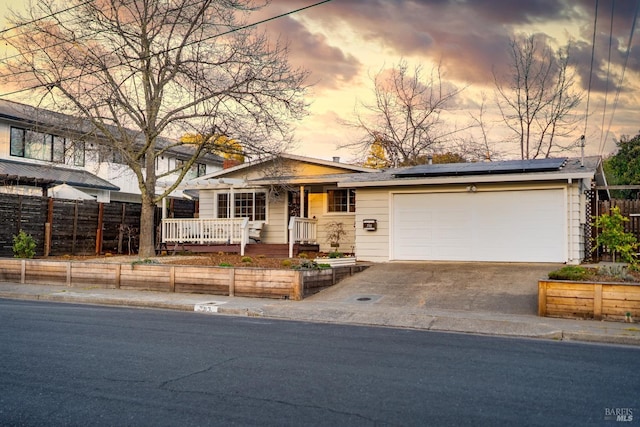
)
(251, 204)
(341, 200)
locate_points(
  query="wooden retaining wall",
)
(587, 300)
(246, 282)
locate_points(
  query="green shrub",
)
(24, 246)
(246, 259)
(225, 264)
(286, 263)
(613, 236)
(571, 272)
(335, 254)
(306, 264)
(303, 255)
(145, 261)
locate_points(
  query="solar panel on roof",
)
(482, 168)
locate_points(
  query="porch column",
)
(302, 202)
(164, 208)
(232, 202)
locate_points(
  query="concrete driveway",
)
(507, 288)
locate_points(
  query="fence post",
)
(75, 228)
(542, 298)
(597, 301)
(99, 230)
(232, 282)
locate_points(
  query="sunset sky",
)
(344, 42)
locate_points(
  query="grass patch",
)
(571, 272)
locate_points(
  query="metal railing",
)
(301, 230)
(206, 231)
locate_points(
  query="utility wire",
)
(624, 68)
(51, 15)
(593, 52)
(233, 30)
(606, 89)
(85, 36)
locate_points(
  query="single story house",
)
(277, 196)
(504, 211)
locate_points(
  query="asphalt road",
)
(66, 364)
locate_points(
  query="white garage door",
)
(525, 226)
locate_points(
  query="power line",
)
(233, 30)
(85, 36)
(624, 68)
(51, 15)
(606, 89)
(593, 52)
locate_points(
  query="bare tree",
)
(536, 98)
(139, 69)
(405, 118)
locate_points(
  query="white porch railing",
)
(206, 231)
(301, 230)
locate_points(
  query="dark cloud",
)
(329, 65)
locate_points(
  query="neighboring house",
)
(41, 150)
(508, 211)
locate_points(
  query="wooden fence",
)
(629, 209)
(75, 227)
(246, 282)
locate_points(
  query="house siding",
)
(373, 204)
(276, 228)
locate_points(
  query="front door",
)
(294, 204)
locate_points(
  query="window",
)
(196, 170)
(78, 153)
(341, 200)
(223, 205)
(17, 142)
(58, 149)
(246, 204)
(41, 146)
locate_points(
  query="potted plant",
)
(335, 232)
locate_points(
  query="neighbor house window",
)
(37, 145)
(58, 149)
(17, 142)
(78, 153)
(245, 204)
(341, 200)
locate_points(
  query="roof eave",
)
(398, 182)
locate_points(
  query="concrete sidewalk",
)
(358, 309)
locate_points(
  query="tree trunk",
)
(147, 228)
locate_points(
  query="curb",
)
(426, 322)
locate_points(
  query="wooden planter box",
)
(589, 300)
(246, 282)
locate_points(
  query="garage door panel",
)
(484, 226)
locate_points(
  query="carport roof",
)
(461, 173)
(46, 176)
